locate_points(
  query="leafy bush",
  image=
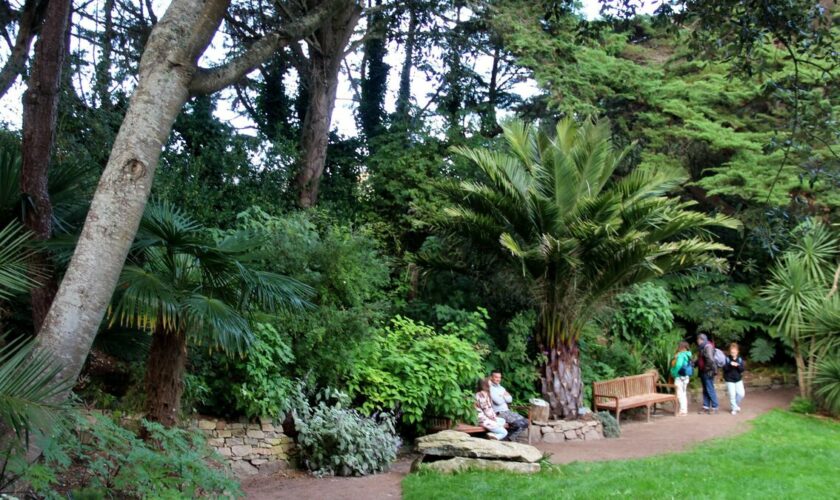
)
(345, 267)
(827, 384)
(643, 313)
(266, 388)
(763, 350)
(413, 369)
(610, 424)
(803, 405)
(335, 440)
(113, 462)
(517, 364)
(718, 305)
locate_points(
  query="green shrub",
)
(763, 350)
(803, 405)
(335, 440)
(518, 366)
(827, 384)
(643, 313)
(610, 424)
(412, 369)
(266, 389)
(111, 460)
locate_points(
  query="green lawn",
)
(784, 455)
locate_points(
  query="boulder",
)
(459, 464)
(459, 444)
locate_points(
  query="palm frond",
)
(28, 387)
(16, 276)
(213, 323)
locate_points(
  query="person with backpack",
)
(707, 367)
(681, 371)
(733, 372)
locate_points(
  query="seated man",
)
(500, 398)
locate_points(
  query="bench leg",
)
(648, 413)
(618, 417)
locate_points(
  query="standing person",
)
(733, 372)
(501, 398)
(707, 368)
(486, 416)
(681, 372)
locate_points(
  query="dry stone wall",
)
(560, 431)
(249, 447)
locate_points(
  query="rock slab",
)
(458, 444)
(460, 464)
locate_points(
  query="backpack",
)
(720, 358)
(687, 369)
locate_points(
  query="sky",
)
(343, 117)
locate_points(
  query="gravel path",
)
(665, 434)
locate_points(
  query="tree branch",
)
(207, 81)
(30, 18)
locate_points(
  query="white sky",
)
(343, 116)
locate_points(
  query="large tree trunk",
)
(40, 111)
(168, 72)
(165, 377)
(326, 54)
(561, 381)
(404, 93)
(166, 68)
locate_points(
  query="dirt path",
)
(664, 434)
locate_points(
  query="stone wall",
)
(249, 447)
(560, 431)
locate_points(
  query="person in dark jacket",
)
(733, 372)
(706, 367)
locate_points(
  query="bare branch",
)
(30, 18)
(207, 81)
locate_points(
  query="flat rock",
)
(459, 464)
(459, 444)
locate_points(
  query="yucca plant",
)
(554, 203)
(807, 311)
(827, 383)
(187, 288)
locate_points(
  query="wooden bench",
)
(636, 391)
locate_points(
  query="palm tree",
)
(185, 287)
(580, 234)
(28, 383)
(802, 289)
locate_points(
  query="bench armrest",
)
(595, 396)
(672, 386)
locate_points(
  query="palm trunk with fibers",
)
(165, 377)
(561, 381)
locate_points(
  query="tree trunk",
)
(404, 94)
(40, 111)
(166, 68)
(801, 370)
(374, 82)
(168, 72)
(325, 59)
(165, 377)
(561, 381)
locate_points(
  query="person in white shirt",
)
(500, 399)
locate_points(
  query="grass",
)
(784, 455)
